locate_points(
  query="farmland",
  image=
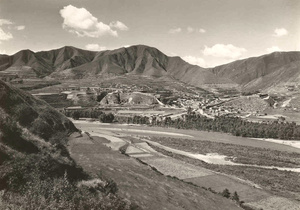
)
(271, 180)
(190, 134)
(138, 182)
(238, 154)
(254, 185)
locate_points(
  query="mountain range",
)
(256, 73)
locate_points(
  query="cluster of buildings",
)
(207, 105)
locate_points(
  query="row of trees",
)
(134, 119)
(88, 113)
(234, 125)
(96, 114)
(226, 124)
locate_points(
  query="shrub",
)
(226, 193)
(25, 115)
(123, 149)
(106, 118)
(75, 115)
(235, 197)
(41, 128)
(12, 136)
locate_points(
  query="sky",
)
(203, 32)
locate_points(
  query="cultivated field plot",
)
(153, 83)
(179, 169)
(237, 153)
(289, 115)
(274, 202)
(133, 150)
(144, 146)
(283, 183)
(220, 182)
(37, 84)
(247, 191)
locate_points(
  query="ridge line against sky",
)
(205, 33)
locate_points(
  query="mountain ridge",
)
(70, 62)
(261, 72)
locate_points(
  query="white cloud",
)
(4, 36)
(273, 49)
(118, 25)
(202, 31)
(194, 60)
(95, 47)
(83, 23)
(224, 51)
(278, 32)
(5, 22)
(175, 30)
(190, 29)
(19, 28)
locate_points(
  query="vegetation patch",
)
(36, 182)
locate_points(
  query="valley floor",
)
(138, 182)
(132, 139)
(180, 133)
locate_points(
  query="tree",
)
(101, 96)
(106, 118)
(110, 118)
(226, 193)
(235, 197)
(189, 110)
(75, 115)
(102, 117)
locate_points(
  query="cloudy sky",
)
(203, 32)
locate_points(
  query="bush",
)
(59, 141)
(60, 193)
(25, 115)
(106, 118)
(12, 136)
(123, 149)
(226, 193)
(75, 115)
(235, 197)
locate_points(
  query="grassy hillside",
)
(275, 69)
(36, 170)
(32, 113)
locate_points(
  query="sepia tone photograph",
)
(149, 105)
